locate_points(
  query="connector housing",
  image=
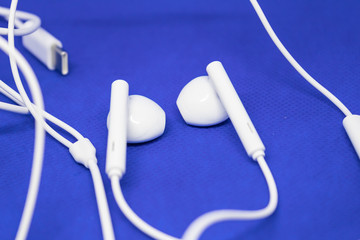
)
(47, 49)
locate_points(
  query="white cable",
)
(37, 114)
(294, 63)
(9, 95)
(33, 22)
(84, 152)
(132, 217)
(21, 61)
(39, 131)
(105, 218)
(13, 95)
(28, 103)
(13, 108)
(98, 185)
(200, 224)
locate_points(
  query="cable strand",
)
(199, 225)
(39, 145)
(33, 22)
(13, 95)
(294, 63)
(131, 215)
(105, 218)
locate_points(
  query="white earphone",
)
(204, 101)
(132, 119)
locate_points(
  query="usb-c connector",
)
(48, 50)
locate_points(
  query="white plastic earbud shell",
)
(146, 120)
(352, 126)
(199, 104)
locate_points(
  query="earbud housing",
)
(199, 104)
(146, 119)
(211, 99)
(133, 119)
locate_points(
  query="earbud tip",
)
(146, 120)
(199, 104)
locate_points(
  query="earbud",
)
(207, 101)
(132, 119)
(199, 104)
(146, 119)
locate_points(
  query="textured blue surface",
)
(158, 46)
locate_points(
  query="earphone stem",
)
(117, 136)
(236, 110)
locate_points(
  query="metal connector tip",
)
(61, 60)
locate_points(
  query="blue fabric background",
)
(158, 46)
